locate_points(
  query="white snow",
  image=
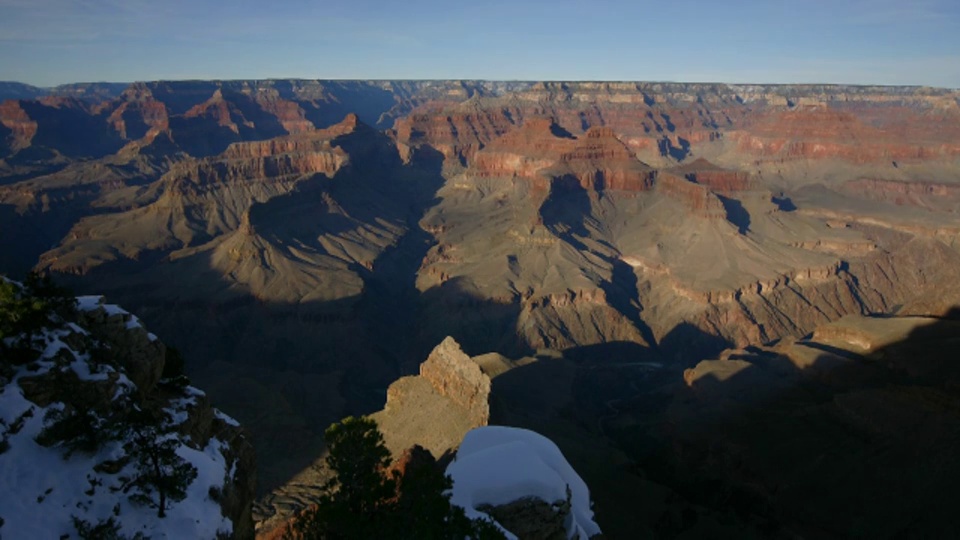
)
(193, 391)
(77, 329)
(81, 367)
(226, 418)
(134, 322)
(41, 489)
(54, 344)
(496, 465)
(179, 410)
(89, 303)
(113, 309)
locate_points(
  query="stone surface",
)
(455, 376)
(531, 518)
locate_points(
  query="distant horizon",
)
(848, 42)
(377, 79)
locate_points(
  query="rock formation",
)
(82, 394)
(431, 411)
(438, 407)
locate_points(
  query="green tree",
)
(162, 475)
(364, 501)
(25, 310)
(424, 511)
(355, 501)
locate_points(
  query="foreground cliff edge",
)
(100, 437)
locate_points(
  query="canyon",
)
(305, 244)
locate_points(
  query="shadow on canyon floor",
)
(845, 446)
(755, 446)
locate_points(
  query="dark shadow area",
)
(679, 153)
(6, 139)
(558, 131)
(134, 124)
(28, 235)
(562, 398)
(71, 130)
(783, 203)
(611, 352)
(623, 295)
(367, 101)
(480, 325)
(806, 440)
(181, 96)
(204, 134)
(566, 209)
(669, 123)
(687, 343)
(736, 213)
(584, 121)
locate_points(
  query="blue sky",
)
(46, 42)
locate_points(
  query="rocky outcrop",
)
(424, 419)
(532, 518)
(436, 408)
(137, 113)
(87, 389)
(697, 198)
(458, 133)
(21, 127)
(716, 178)
(198, 200)
(139, 352)
(602, 161)
(455, 376)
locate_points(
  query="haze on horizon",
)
(50, 42)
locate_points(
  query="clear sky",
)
(47, 42)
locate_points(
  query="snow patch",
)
(113, 309)
(497, 465)
(76, 328)
(89, 303)
(193, 391)
(226, 419)
(82, 368)
(134, 322)
(41, 489)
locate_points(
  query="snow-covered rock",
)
(51, 478)
(496, 466)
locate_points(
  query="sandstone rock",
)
(437, 408)
(530, 518)
(454, 375)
